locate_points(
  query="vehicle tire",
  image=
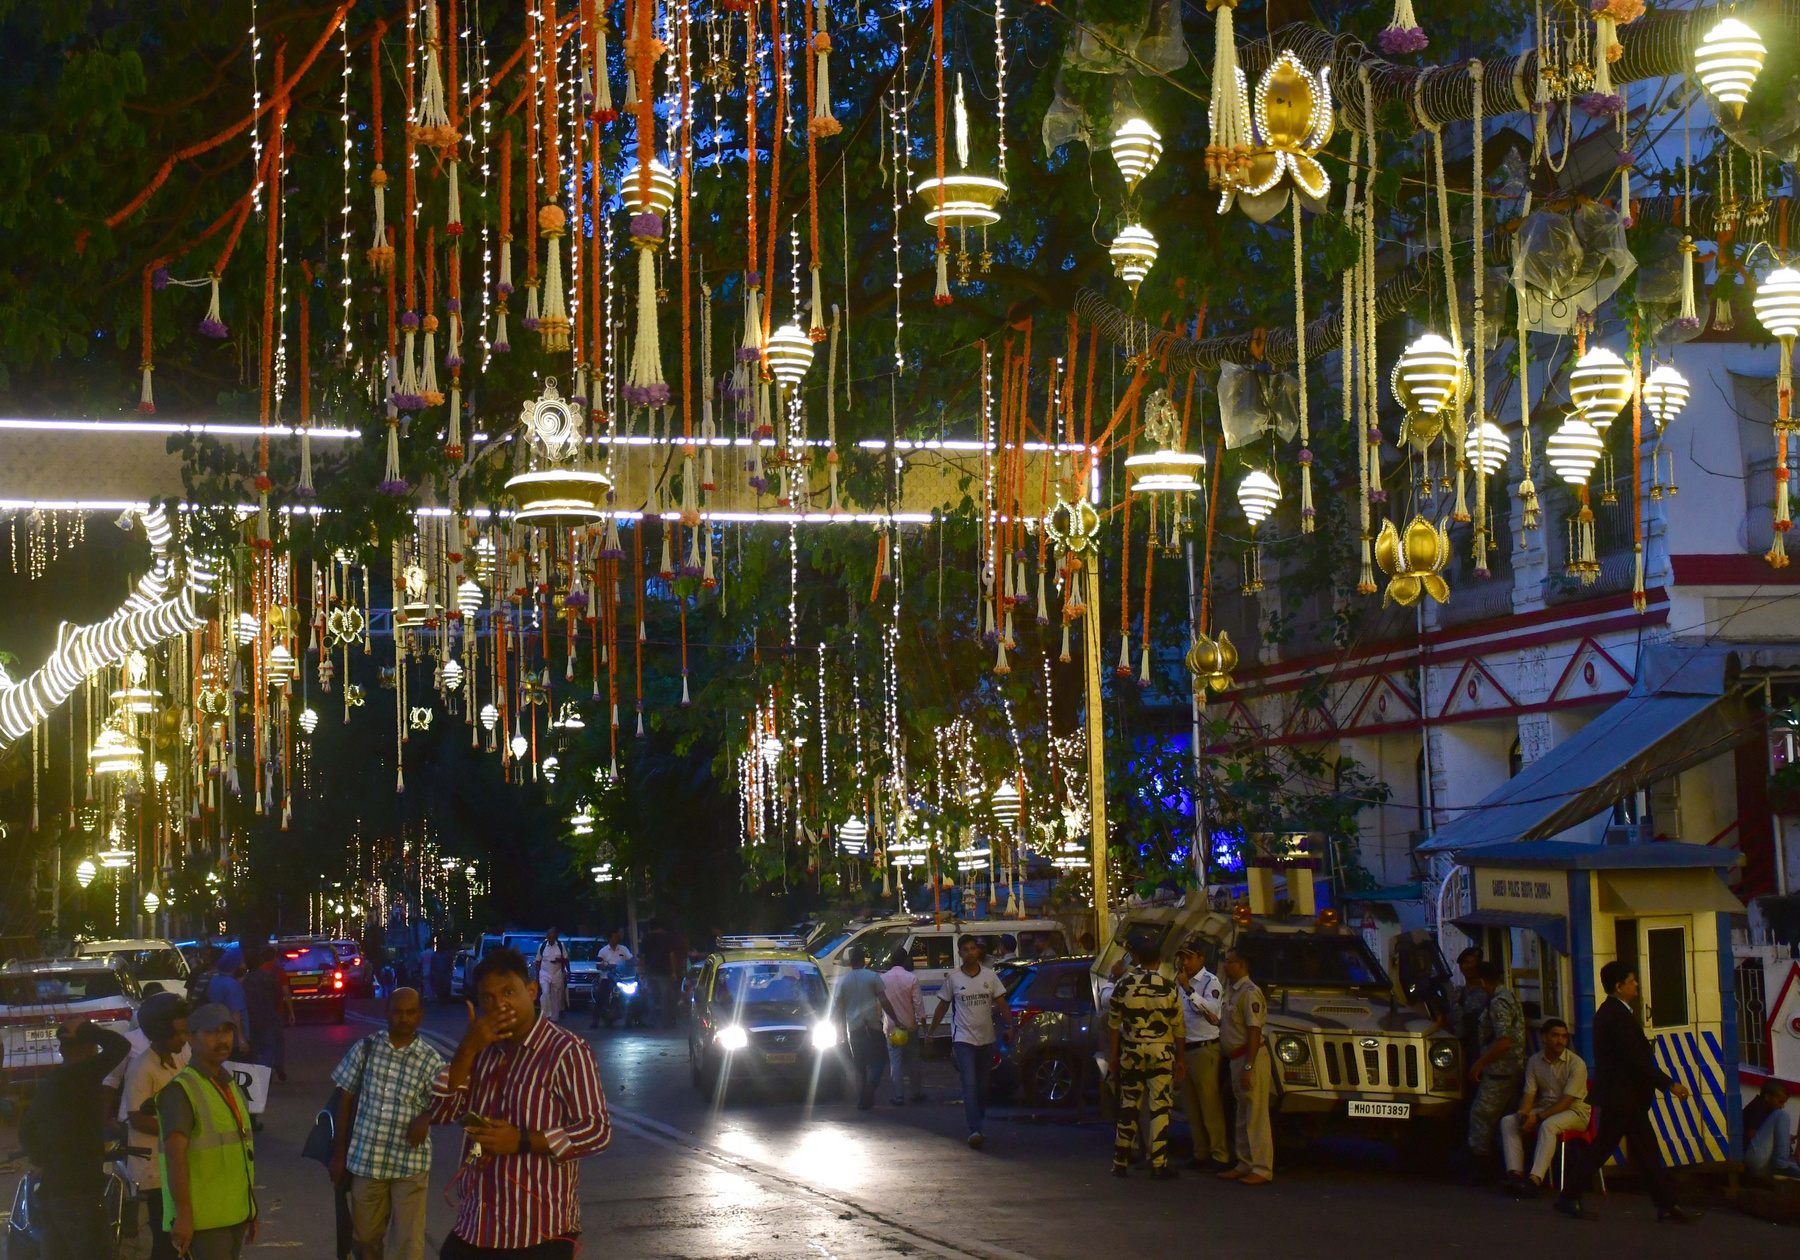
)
(1053, 1079)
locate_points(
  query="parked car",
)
(1048, 1055)
(466, 958)
(585, 971)
(763, 1015)
(38, 994)
(934, 945)
(157, 965)
(315, 979)
(359, 978)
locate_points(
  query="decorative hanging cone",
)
(1123, 668)
(1064, 657)
(1000, 665)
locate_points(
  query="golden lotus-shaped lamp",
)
(1211, 661)
(1665, 393)
(1414, 561)
(1600, 386)
(1291, 122)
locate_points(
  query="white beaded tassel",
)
(1228, 118)
(822, 123)
(602, 76)
(708, 429)
(504, 289)
(146, 398)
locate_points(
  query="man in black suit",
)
(1624, 1085)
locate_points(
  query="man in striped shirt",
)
(527, 1093)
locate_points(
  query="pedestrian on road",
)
(972, 993)
(527, 1093)
(226, 988)
(63, 1133)
(862, 998)
(163, 1019)
(905, 1046)
(1143, 1030)
(552, 966)
(1202, 1001)
(270, 1008)
(1497, 1074)
(1625, 1083)
(208, 1153)
(381, 1130)
(1241, 1034)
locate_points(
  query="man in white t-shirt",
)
(615, 953)
(615, 950)
(553, 976)
(972, 993)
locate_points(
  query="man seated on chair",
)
(1554, 1102)
(1769, 1133)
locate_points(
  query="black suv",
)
(1049, 1056)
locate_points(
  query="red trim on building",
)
(1731, 569)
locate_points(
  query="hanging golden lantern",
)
(969, 200)
(1487, 448)
(1665, 394)
(1133, 253)
(1426, 376)
(1166, 468)
(1414, 562)
(1211, 661)
(1257, 495)
(1600, 386)
(662, 189)
(790, 354)
(1727, 62)
(114, 751)
(1005, 804)
(1137, 148)
(1574, 449)
(309, 720)
(558, 490)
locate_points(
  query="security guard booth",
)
(1665, 908)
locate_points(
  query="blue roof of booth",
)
(1569, 856)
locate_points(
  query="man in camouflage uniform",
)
(1144, 1020)
(1497, 1074)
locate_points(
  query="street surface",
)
(771, 1179)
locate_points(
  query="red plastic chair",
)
(1585, 1136)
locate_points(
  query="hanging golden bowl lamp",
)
(1211, 661)
(114, 751)
(1414, 562)
(969, 200)
(1727, 62)
(1487, 448)
(1257, 495)
(1137, 148)
(1665, 394)
(559, 496)
(1427, 375)
(1164, 472)
(1133, 253)
(662, 189)
(1574, 449)
(790, 354)
(1600, 386)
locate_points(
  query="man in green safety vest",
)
(208, 1164)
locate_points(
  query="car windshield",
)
(345, 950)
(1015, 978)
(583, 949)
(306, 957)
(754, 983)
(148, 964)
(1298, 961)
(61, 988)
(825, 944)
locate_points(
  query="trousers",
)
(1494, 1097)
(1203, 1103)
(72, 1224)
(868, 1054)
(1255, 1138)
(375, 1202)
(553, 994)
(904, 1065)
(161, 1248)
(974, 1064)
(1146, 1085)
(1771, 1150)
(1512, 1141)
(1633, 1126)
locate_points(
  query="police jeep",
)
(1350, 1051)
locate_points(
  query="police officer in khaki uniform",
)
(1143, 1019)
(1241, 1033)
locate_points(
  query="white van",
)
(933, 945)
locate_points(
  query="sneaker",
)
(1572, 1209)
(975, 1141)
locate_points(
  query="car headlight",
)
(629, 988)
(824, 1036)
(1291, 1050)
(731, 1037)
(1443, 1055)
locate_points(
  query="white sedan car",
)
(37, 995)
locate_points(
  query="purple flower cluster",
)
(688, 570)
(409, 321)
(159, 279)
(453, 305)
(1306, 456)
(575, 599)
(210, 327)
(1689, 323)
(753, 278)
(453, 360)
(1600, 104)
(759, 484)
(1401, 39)
(1626, 161)
(502, 347)
(748, 354)
(647, 226)
(395, 489)
(408, 402)
(504, 289)
(656, 395)
(531, 325)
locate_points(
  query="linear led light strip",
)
(156, 426)
(146, 619)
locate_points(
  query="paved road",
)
(775, 1179)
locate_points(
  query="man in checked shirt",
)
(527, 1093)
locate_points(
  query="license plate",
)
(1382, 1110)
(39, 1035)
(781, 1058)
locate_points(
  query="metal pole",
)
(1195, 629)
(1096, 731)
